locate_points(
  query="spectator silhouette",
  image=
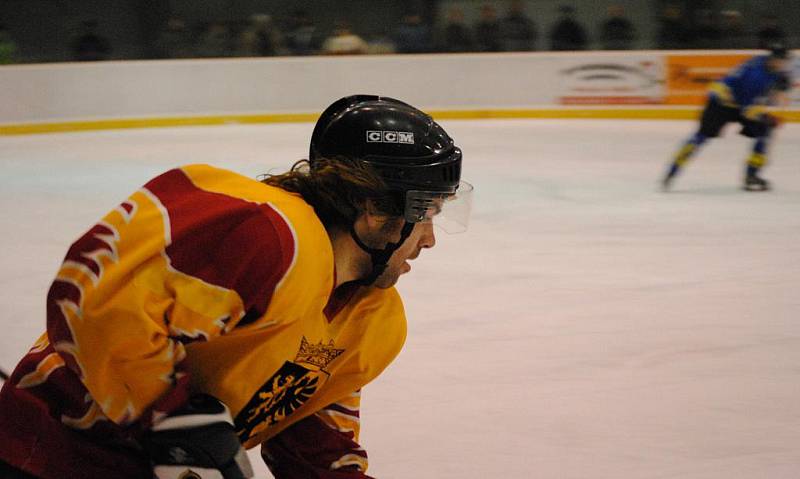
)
(380, 44)
(89, 45)
(344, 42)
(8, 49)
(175, 40)
(732, 31)
(261, 38)
(455, 36)
(517, 30)
(412, 35)
(673, 32)
(769, 32)
(567, 33)
(302, 37)
(487, 30)
(706, 32)
(617, 32)
(215, 41)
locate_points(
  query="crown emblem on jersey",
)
(319, 354)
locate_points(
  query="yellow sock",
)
(684, 154)
(757, 160)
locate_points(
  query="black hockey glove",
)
(199, 438)
(783, 83)
(770, 120)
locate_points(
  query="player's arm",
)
(762, 109)
(324, 445)
(780, 99)
(120, 311)
(780, 93)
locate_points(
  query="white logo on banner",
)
(381, 136)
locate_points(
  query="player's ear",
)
(379, 222)
(374, 218)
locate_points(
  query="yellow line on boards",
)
(544, 113)
(572, 113)
(121, 124)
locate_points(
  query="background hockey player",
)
(210, 312)
(742, 97)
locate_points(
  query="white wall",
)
(56, 92)
(146, 89)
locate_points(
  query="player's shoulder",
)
(384, 324)
(251, 201)
(384, 304)
(291, 207)
(201, 178)
(372, 297)
(201, 189)
(223, 181)
(757, 62)
(374, 322)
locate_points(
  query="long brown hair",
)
(338, 190)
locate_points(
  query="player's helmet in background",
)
(406, 147)
(778, 50)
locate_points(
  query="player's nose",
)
(428, 238)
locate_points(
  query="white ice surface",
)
(586, 326)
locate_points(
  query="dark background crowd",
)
(91, 30)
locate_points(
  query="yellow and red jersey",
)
(201, 281)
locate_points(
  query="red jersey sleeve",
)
(324, 445)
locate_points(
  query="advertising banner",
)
(630, 79)
(794, 94)
(688, 76)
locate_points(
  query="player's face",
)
(778, 64)
(421, 237)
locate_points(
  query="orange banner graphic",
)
(688, 76)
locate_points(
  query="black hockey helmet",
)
(405, 146)
(414, 156)
(778, 50)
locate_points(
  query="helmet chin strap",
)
(380, 257)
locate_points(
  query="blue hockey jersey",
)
(750, 84)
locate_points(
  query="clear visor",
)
(449, 211)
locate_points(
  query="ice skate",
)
(755, 183)
(666, 182)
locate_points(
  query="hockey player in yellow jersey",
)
(211, 313)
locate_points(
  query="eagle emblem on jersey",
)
(288, 389)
